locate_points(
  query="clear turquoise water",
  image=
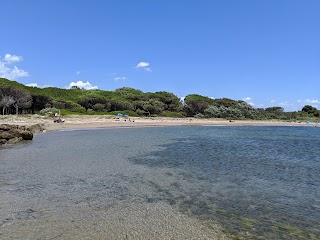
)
(257, 182)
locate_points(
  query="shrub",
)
(49, 111)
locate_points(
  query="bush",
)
(58, 105)
(78, 109)
(98, 107)
(49, 111)
(173, 114)
(140, 112)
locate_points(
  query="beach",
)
(89, 121)
(117, 179)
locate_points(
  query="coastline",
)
(88, 121)
(127, 219)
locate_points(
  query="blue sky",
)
(266, 52)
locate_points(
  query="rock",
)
(36, 128)
(7, 127)
(14, 133)
(6, 135)
(15, 140)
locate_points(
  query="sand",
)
(87, 121)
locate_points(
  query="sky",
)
(265, 52)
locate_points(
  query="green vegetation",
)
(18, 98)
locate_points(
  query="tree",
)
(130, 93)
(91, 101)
(274, 109)
(226, 102)
(40, 102)
(23, 99)
(309, 109)
(171, 102)
(98, 107)
(119, 105)
(195, 104)
(153, 106)
(6, 102)
(16, 98)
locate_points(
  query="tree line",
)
(16, 98)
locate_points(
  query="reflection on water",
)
(256, 182)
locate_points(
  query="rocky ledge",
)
(12, 134)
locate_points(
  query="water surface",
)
(254, 182)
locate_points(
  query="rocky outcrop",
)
(12, 134)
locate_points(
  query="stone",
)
(36, 128)
(7, 127)
(15, 140)
(6, 135)
(26, 135)
(12, 134)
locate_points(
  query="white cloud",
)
(9, 71)
(182, 100)
(312, 101)
(285, 104)
(144, 66)
(12, 58)
(119, 78)
(247, 99)
(78, 72)
(83, 85)
(273, 101)
(32, 85)
(259, 105)
(299, 101)
(38, 86)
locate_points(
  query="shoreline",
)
(88, 122)
(127, 218)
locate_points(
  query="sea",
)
(255, 182)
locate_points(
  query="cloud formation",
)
(119, 78)
(251, 103)
(38, 86)
(285, 104)
(12, 58)
(83, 85)
(7, 70)
(144, 66)
(312, 101)
(247, 99)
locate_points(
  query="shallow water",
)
(254, 182)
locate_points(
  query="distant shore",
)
(88, 121)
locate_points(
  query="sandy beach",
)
(87, 121)
(105, 194)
